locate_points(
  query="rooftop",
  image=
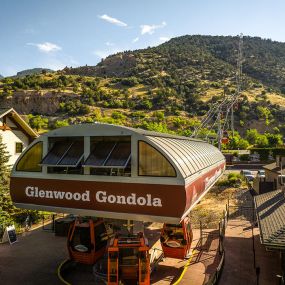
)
(270, 211)
(19, 120)
(274, 168)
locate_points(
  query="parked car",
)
(247, 174)
(244, 172)
(249, 177)
(261, 173)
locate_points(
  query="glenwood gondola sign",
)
(101, 197)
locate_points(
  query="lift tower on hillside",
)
(221, 112)
(238, 78)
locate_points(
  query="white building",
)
(15, 132)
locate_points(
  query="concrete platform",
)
(33, 260)
(239, 262)
(196, 270)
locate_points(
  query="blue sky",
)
(58, 33)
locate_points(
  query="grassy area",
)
(211, 208)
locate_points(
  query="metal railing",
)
(220, 233)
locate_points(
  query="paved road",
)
(245, 166)
(33, 260)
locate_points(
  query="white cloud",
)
(135, 39)
(164, 39)
(46, 47)
(149, 29)
(109, 44)
(113, 20)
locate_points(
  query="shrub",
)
(118, 115)
(59, 124)
(159, 115)
(244, 157)
(233, 180)
(130, 81)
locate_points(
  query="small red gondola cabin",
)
(87, 240)
(176, 239)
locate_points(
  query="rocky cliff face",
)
(118, 65)
(26, 102)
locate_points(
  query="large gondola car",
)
(176, 239)
(87, 240)
(128, 261)
(115, 172)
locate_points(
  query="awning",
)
(65, 154)
(109, 155)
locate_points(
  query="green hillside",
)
(32, 71)
(165, 88)
(208, 57)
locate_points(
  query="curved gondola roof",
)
(189, 155)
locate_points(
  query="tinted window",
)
(31, 159)
(153, 163)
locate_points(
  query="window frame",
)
(138, 162)
(16, 146)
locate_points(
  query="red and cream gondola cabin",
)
(112, 171)
(128, 260)
(176, 239)
(87, 240)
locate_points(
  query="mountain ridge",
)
(31, 71)
(264, 60)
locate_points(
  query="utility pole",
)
(219, 130)
(238, 79)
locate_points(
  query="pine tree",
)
(9, 214)
(4, 167)
(5, 200)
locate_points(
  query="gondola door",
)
(144, 266)
(189, 235)
(113, 266)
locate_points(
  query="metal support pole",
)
(53, 222)
(201, 234)
(228, 214)
(257, 271)
(232, 120)
(253, 246)
(219, 130)
(283, 265)
(279, 280)
(220, 238)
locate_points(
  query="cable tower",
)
(221, 113)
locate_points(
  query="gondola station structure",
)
(115, 172)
